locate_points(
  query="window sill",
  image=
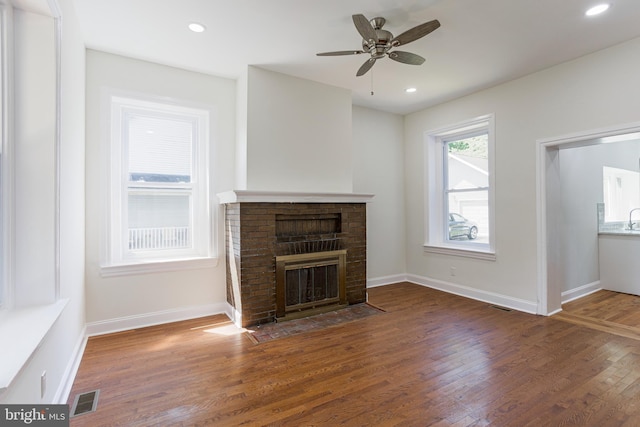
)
(151, 266)
(461, 252)
(23, 329)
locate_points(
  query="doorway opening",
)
(550, 218)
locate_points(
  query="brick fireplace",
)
(293, 254)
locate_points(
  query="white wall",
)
(114, 302)
(58, 352)
(72, 195)
(592, 92)
(298, 134)
(580, 191)
(240, 160)
(378, 168)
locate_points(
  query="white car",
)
(459, 227)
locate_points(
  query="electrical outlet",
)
(43, 383)
(453, 271)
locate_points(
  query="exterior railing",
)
(159, 238)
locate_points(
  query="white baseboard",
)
(69, 376)
(386, 280)
(581, 291)
(476, 294)
(155, 318)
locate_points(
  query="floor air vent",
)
(497, 307)
(85, 403)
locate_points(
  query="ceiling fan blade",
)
(415, 33)
(364, 27)
(406, 57)
(366, 67)
(340, 52)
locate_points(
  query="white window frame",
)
(117, 259)
(435, 209)
(6, 163)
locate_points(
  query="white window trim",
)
(435, 225)
(153, 266)
(6, 148)
(113, 261)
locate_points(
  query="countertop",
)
(620, 232)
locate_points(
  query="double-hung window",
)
(459, 183)
(159, 204)
(621, 194)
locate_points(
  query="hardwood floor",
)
(433, 359)
(608, 311)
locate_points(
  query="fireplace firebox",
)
(310, 283)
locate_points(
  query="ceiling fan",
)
(378, 42)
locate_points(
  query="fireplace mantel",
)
(248, 196)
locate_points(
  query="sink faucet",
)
(630, 213)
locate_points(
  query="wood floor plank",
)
(431, 359)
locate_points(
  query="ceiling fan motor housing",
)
(381, 45)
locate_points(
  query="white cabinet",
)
(620, 262)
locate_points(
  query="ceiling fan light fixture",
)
(197, 27)
(597, 10)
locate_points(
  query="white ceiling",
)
(480, 43)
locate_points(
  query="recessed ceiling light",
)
(196, 28)
(596, 10)
(410, 89)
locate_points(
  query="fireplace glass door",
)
(309, 281)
